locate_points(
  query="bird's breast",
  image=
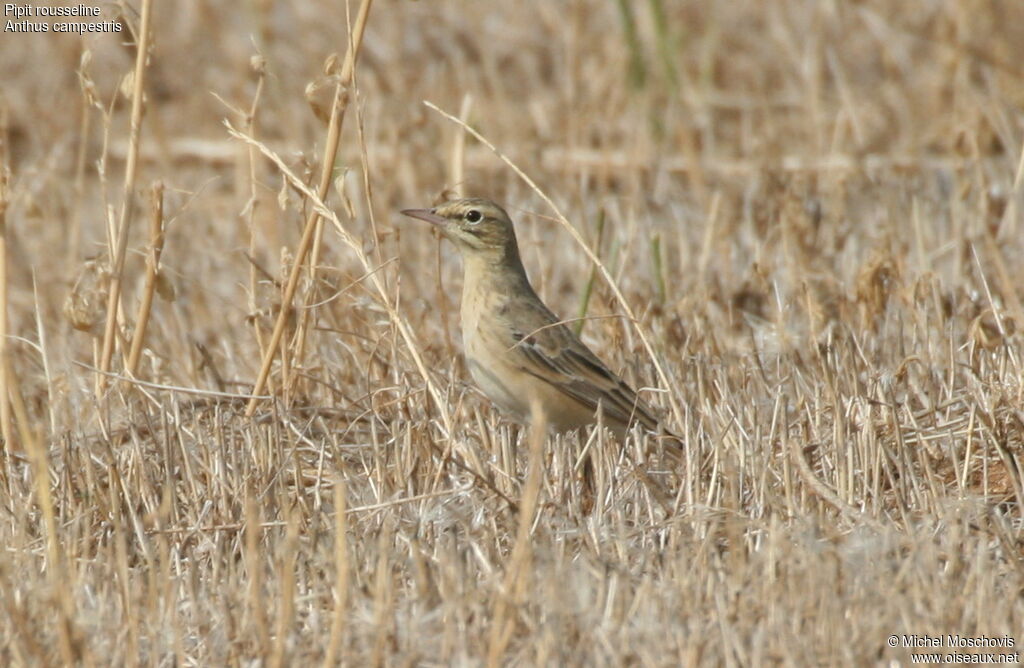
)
(487, 341)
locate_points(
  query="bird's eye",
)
(473, 216)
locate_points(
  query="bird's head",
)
(475, 225)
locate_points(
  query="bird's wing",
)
(552, 353)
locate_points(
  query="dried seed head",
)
(84, 307)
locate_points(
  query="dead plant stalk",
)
(117, 255)
(338, 108)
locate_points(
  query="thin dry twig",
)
(169, 388)
(6, 429)
(341, 574)
(156, 247)
(518, 570)
(117, 255)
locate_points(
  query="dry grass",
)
(813, 210)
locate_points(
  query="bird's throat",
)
(495, 275)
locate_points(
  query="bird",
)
(516, 349)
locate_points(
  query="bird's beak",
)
(427, 215)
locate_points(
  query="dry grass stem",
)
(156, 247)
(117, 253)
(6, 428)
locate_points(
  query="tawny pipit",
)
(516, 349)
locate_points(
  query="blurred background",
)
(697, 130)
